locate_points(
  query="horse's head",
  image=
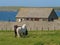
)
(24, 26)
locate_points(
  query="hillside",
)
(9, 8)
(14, 8)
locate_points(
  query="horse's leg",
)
(18, 33)
(15, 33)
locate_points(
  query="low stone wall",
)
(35, 25)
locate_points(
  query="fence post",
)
(36, 28)
(48, 28)
(2, 29)
(42, 28)
(30, 29)
(54, 28)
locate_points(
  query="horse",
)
(15, 27)
(22, 31)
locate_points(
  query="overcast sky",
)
(32, 3)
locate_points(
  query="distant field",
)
(33, 38)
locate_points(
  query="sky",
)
(31, 3)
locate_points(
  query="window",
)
(51, 19)
(36, 19)
(31, 19)
(27, 18)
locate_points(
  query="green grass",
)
(33, 38)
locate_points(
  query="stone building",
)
(36, 14)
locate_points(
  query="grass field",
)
(33, 38)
